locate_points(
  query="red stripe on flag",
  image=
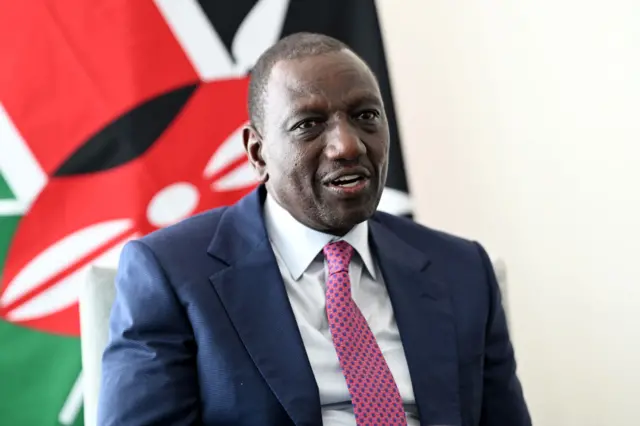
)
(70, 67)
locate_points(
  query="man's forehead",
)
(320, 75)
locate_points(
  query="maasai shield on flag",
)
(117, 118)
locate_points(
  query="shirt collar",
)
(298, 244)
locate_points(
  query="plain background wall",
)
(521, 126)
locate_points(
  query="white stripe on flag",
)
(19, 167)
(72, 404)
(395, 202)
(260, 29)
(11, 208)
(198, 38)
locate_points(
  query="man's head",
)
(318, 137)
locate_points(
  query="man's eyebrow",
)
(307, 100)
(363, 98)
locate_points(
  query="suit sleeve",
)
(503, 401)
(148, 368)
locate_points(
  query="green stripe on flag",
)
(8, 226)
(38, 372)
(5, 191)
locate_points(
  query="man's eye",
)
(307, 124)
(368, 115)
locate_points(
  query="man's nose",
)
(343, 142)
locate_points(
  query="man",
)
(300, 305)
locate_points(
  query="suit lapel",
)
(256, 301)
(425, 319)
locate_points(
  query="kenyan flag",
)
(118, 118)
(113, 123)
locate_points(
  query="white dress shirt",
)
(298, 251)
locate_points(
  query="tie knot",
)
(338, 255)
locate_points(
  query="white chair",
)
(500, 269)
(96, 299)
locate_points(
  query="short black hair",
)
(294, 46)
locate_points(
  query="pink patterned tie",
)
(374, 394)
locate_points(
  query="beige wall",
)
(520, 121)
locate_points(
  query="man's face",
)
(324, 145)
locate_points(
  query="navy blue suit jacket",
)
(202, 332)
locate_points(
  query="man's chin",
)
(350, 216)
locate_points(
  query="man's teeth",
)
(348, 180)
(348, 177)
(350, 184)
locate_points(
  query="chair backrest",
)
(96, 299)
(500, 269)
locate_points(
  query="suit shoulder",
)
(452, 255)
(192, 231)
(423, 237)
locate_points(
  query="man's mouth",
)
(348, 181)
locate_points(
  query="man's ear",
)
(253, 145)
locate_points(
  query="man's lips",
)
(351, 188)
(349, 181)
(346, 176)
